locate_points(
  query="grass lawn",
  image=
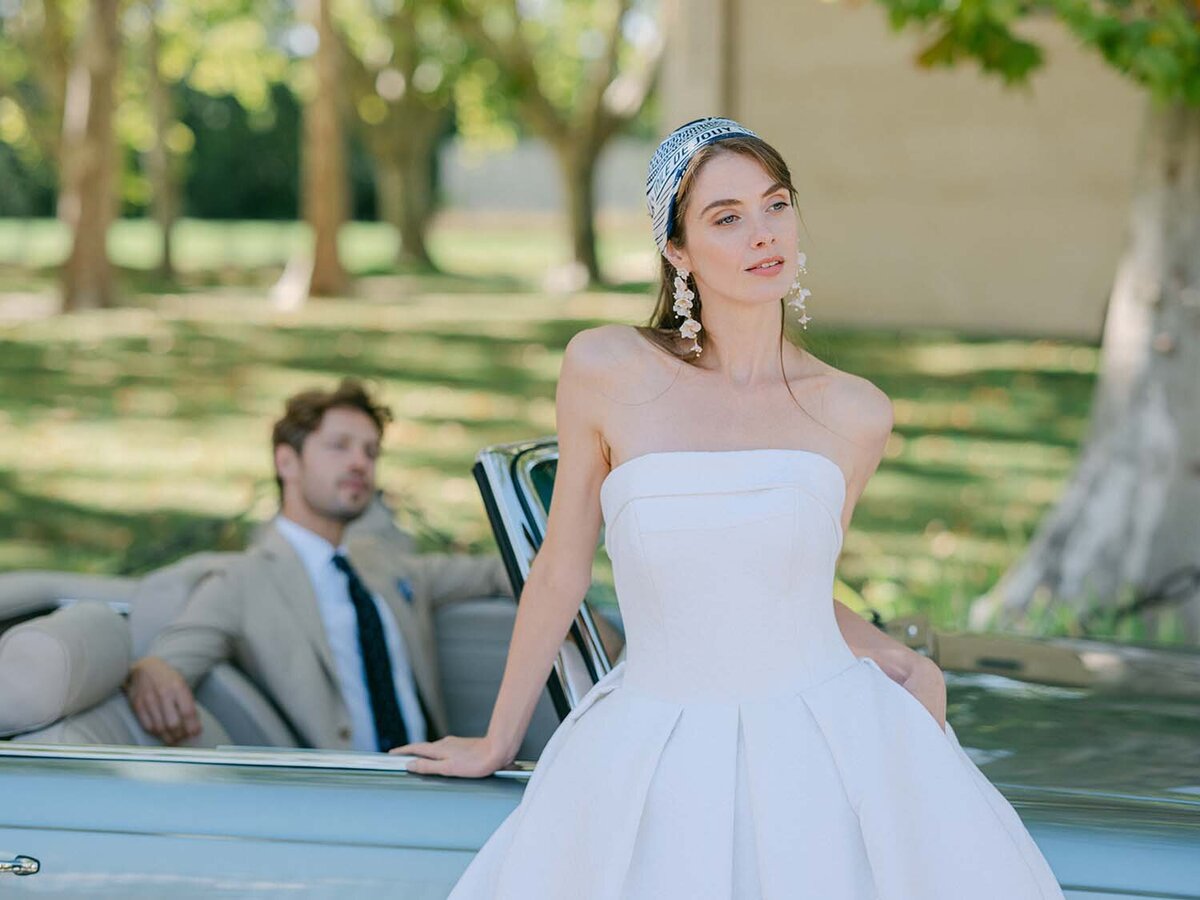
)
(131, 436)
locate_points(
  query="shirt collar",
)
(312, 549)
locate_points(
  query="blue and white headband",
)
(671, 159)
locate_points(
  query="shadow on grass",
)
(222, 372)
(84, 535)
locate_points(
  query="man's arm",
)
(160, 684)
(450, 577)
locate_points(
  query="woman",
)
(760, 740)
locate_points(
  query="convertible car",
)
(1097, 745)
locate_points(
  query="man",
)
(341, 641)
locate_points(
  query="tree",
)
(218, 47)
(325, 194)
(401, 63)
(1123, 538)
(165, 193)
(87, 201)
(35, 56)
(578, 71)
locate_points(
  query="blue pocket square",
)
(404, 586)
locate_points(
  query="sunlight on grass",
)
(474, 246)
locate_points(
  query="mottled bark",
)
(403, 149)
(325, 182)
(87, 201)
(577, 163)
(1128, 518)
(164, 202)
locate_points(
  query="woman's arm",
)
(558, 578)
(865, 639)
(867, 417)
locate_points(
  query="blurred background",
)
(206, 205)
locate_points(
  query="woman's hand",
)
(926, 682)
(457, 756)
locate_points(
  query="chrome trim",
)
(508, 469)
(595, 657)
(495, 462)
(20, 865)
(269, 757)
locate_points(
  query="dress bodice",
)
(723, 563)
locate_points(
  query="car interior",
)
(67, 641)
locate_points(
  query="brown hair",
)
(304, 412)
(663, 327)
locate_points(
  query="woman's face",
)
(740, 231)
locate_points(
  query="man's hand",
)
(162, 700)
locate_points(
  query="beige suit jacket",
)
(260, 612)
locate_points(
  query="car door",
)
(137, 822)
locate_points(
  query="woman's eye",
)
(780, 204)
(726, 220)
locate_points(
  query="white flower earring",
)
(684, 296)
(800, 294)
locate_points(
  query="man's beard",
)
(341, 514)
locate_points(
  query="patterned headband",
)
(668, 164)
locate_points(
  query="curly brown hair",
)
(305, 410)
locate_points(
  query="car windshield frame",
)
(518, 504)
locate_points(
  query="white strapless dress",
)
(741, 750)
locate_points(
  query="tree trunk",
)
(165, 202)
(1126, 525)
(325, 194)
(404, 151)
(405, 203)
(89, 159)
(577, 162)
(389, 188)
(417, 195)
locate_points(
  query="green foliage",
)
(564, 66)
(1156, 43)
(35, 40)
(248, 167)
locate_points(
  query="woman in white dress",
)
(760, 739)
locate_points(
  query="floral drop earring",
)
(800, 294)
(690, 329)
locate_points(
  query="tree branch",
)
(515, 61)
(601, 73)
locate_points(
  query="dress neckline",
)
(800, 451)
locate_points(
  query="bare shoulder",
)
(851, 405)
(619, 363)
(859, 408)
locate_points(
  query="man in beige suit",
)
(339, 637)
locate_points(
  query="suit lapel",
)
(290, 580)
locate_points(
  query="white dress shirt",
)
(341, 628)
